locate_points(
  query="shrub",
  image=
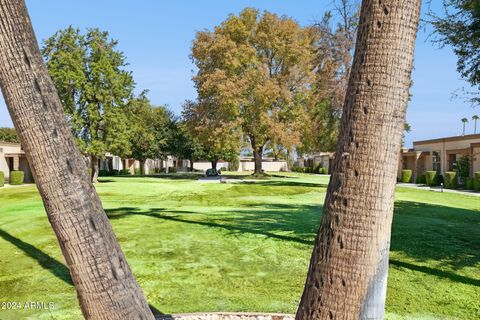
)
(16, 177)
(450, 179)
(406, 176)
(322, 171)
(102, 173)
(172, 170)
(234, 165)
(124, 172)
(470, 184)
(421, 179)
(476, 181)
(463, 166)
(298, 169)
(2, 179)
(138, 172)
(432, 178)
(316, 167)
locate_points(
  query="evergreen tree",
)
(94, 87)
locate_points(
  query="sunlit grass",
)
(209, 246)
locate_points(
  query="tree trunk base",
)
(260, 175)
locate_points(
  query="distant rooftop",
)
(446, 139)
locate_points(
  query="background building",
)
(12, 158)
(441, 154)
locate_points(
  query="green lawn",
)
(197, 246)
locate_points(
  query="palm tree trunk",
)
(348, 270)
(106, 287)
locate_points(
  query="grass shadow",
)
(432, 232)
(272, 222)
(423, 232)
(436, 272)
(168, 176)
(54, 266)
(49, 263)
(277, 183)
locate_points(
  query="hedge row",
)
(16, 178)
(421, 179)
(317, 170)
(105, 173)
(476, 181)
(126, 172)
(450, 180)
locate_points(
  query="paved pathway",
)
(438, 189)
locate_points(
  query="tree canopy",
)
(460, 28)
(335, 40)
(211, 137)
(8, 135)
(253, 77)
(94, 87)
(151, 129)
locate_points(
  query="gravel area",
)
(227, 316)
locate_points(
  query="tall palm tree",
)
(475, 118)
(347, 276)
(106, 287)
(464, 120)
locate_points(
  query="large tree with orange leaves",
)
(254, 72)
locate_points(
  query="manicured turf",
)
(202, 246)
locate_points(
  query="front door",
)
(10, 163)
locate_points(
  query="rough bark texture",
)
(348, 269)
(257, 157)
(192, 162)
(95, 169)
(105, 285)
(141, 167)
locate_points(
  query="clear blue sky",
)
(156, 37)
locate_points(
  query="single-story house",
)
(324, 159)
(113, 162)
(12, 158)
(440, 155)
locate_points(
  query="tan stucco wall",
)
(476, 159)
(6, 148)
(443, 147)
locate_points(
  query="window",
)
(116, 163)
(436, 162)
